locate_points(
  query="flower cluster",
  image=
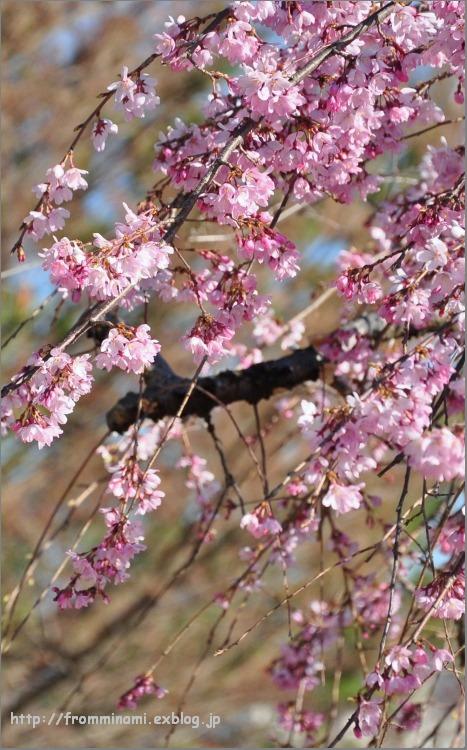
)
(105, 563)
(437, 454)
(62, 181)
(202, 481)
(144, 685)
(443, 598)
(134, 96)
(274, 249)
(261, 522)
(137, 254)
(38, 408)
(407, 668)
(303, 722)
(130, 483)
(130, 349)
(301, 660)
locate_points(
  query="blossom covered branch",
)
(316, 96)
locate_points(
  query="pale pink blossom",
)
(369, 717)
(343, 498)
(101, 130)
(260, 522)
(134, 96)
(130, 349)
(438, 454)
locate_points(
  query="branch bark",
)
(165, 390)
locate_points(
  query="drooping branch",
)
(165, 390)
(104, 97)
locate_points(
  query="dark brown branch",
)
(165, 390)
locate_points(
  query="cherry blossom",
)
(101, 130)
(61, 183)
(200, 479)
(369, 718)
(208, 338)
(130, 349)
(272, 248)
(45, 222)
(143, 685)
(448, 604)
(108, 562)
(306, 723)
(438, 454)
(343, 499)
(261, 523)
(134, 96)
(129, 482)
(44, 403)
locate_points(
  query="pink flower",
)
(343, 498)
(272, 248)
(240, 43)
(41, 223)
(398, 658)
(134, 97)
(237, 201)
(355, 284)
(369, 718)
(56, 219)
(451, 605)
(131, 349)
(74, 180)
(440, 657)
(267, 330)
(451, 538)
(164, 45)
(144, 685)
(409, 717)
(124, 88)
(402, 683)
(49, 396)
(372, 603)
(307, 419)
(296, 329)
(374, 679)
(108, 561)
(62, 182)
(434, 255)
(302, 721)
(101, 130)
(261, 523)
(36, 428)
(129, 481)
(69, 266)
(200, 479)
(438, 454)
(208, 337)
(270, 93)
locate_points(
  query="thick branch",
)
(165, 390)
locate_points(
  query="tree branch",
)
(165, 390)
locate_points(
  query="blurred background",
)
(57, 56)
